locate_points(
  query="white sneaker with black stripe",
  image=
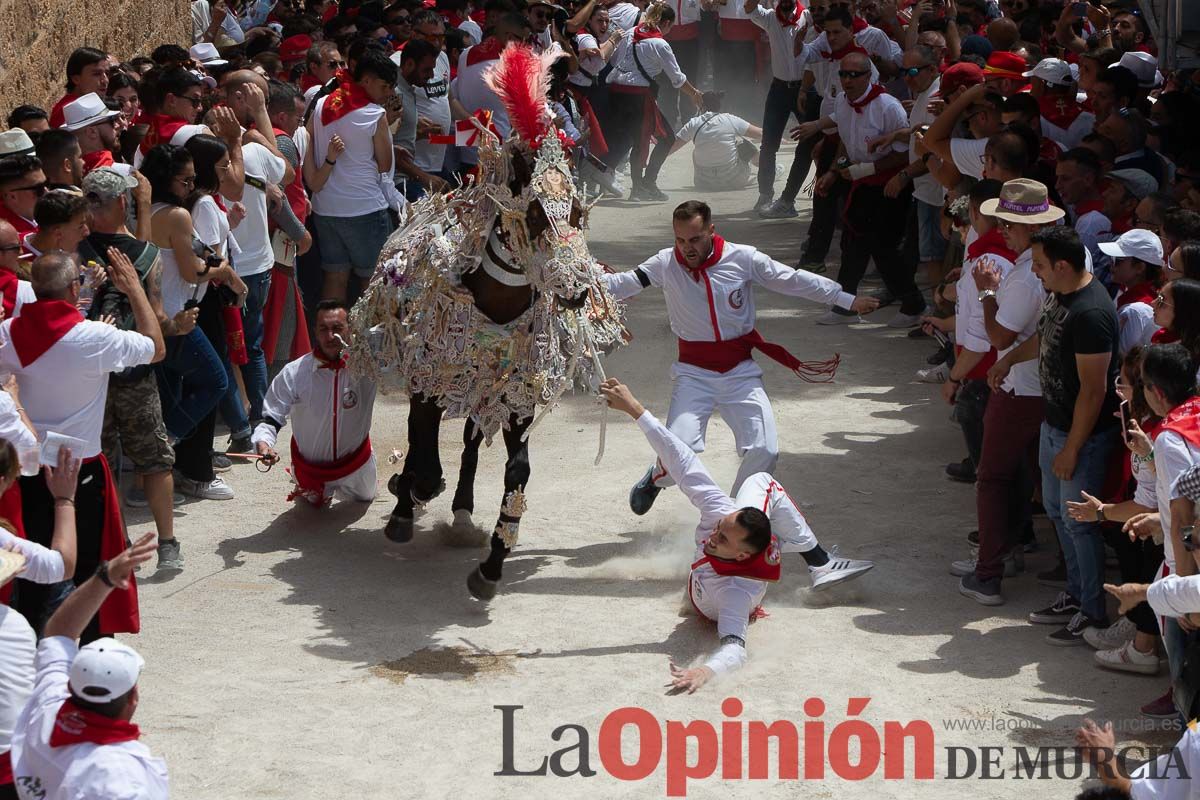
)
(837, 570)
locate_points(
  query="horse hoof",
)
(480, 587)
(399, 529)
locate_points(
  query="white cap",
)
(104, 670)
(206, 53)
(1137, 243)
(1053, 71)
(86, 111)
(1144, 66)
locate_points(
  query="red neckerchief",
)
(324, 362)
(40, 326)
(1059, 110)
(161, 129)
(839, 54)
(8, 291)
(349, 96)
(859, 25)
(1184, 419)
(1143, 292)
(872, 93)
(991, 242)
(791, 19)
(1088, 206)
(22, 225)
(641, 33)
(96, 159)
(75, 725)
(713, 257)
(487, 50)
(1164, 336)
(762, 566)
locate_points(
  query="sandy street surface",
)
(302, 655)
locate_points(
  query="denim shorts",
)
(933, 244)
(352, 242)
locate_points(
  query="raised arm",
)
(781, 278)
(125, 279)
(82, 604)
(941, 130)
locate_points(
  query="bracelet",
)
(58, 501)
(1100, 515)
(102, 574)
(330, 163)
(1100, 34)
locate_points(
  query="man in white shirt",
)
(1063, 119)
(331, 417)
(718, 162)
(982, 114)
(874, 221)
(74, 738)
(708, 285)
(62, 363)
(14, 292)
(433, 96)
(1137, 268)
(740, 543)
(348, 163)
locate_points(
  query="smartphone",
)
(1079, 9)
(1126, 418)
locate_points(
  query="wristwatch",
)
(1100, 515)
(102, 574)
(986, 293)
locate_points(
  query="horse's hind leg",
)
(464, 493)
(484, 581)
(421, 479)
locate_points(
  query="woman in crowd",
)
(1177, 312)
(192, 379)
(124, 89)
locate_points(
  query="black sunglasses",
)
(195, 101)
(335, 64)
(10, 248)
(38, 188)
(852, 73)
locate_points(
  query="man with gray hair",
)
(62, 364)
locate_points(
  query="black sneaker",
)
(1060, 612)
(985, 593)
(961, 471)
(221, 462)
(643, 494)
(1071, 634)
(1055, 578)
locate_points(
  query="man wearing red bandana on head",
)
(740, 543)
(74, 738)
(331, 417)
(708, 284)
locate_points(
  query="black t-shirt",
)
(1079, 323)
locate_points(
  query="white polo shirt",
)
(65, 389)
(121, 771)
(657, 58)
(1019, 301)
(784, 65)
(882, 115)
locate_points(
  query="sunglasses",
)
(852, 73)
(912, 72)
(1160, 301)
(335, 64)
(195, 101)
(38, 189)
(10, 248)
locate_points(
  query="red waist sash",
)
(725, 355)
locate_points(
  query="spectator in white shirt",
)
(1137, 270)
(982, 114)
(14, 292)
(74, 739)
(720, 160)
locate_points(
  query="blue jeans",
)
(191, 381)
(254, 373)
(1082, 543)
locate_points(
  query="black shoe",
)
(240, 444)
(650, 191)
(961, 471)
(1059, 612)
(221, 462)
(918, 333)
(1055, 578)
(985, 593)
(941, 356)
(1071, 634)
(643, 494)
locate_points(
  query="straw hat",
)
(1024, 201)
(10, 564)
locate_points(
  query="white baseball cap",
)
(1144, 66)
(206, 53)
(86, 111)
(1137, 243)
(1052, 70)
(104, 670)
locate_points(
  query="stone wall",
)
(36, 36)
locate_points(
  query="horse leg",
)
(464, 493)
(484, 581)
(421, 479)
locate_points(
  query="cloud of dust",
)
(665, 553)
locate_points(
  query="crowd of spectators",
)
(1020, 175)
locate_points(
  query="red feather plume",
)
(521, 79)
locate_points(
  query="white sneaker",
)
(831, 317)
(902, 320)
(1113, 636)
(938, 374)
(1127, 658)
(216, 489)
(837, 570)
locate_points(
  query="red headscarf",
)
(349, 96)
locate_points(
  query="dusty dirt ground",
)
(302, 655)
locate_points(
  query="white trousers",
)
(763, 492)
(742, 402)
(359, 486)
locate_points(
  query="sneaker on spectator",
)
(1060, 612)
(1113, 636)
(937, 374)
(136, 498)
(1161, 707)
(1071, 634)
(961, 471)
(902, 320)
(221, 462)
(780, 209)
(216, 489)
(832, 317)
(983, 592)
(966, 566)
(240, 444)
(1127, 658)
(1055, 578)
(170, 556)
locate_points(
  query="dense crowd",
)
(180, 225)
